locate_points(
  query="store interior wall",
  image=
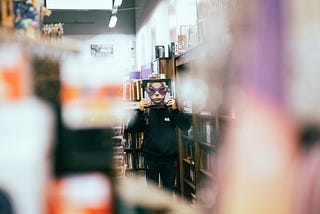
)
(154, 23)
(131, 16)
(123, 51)
(163, 27)
(90, 27)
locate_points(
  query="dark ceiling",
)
(131, 16)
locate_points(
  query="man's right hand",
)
(144, 104)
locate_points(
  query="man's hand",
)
(172, 102)
(144, 104)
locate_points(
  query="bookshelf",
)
(198, 147)
(133, 154)
(188, 158)
(133, 157)
(164, 66)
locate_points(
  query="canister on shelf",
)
(159, 51)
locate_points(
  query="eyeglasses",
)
(162, 90)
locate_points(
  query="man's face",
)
(157, 91)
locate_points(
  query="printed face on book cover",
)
(157, 92)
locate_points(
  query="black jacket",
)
(159, 128)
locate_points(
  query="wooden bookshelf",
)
(198, 147)
(133, 154)
(164, 66)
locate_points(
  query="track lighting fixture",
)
(113, 21)
(117, 3)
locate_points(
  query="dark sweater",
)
(159, 128)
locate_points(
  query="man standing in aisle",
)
(158, 119)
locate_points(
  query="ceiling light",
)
(78, 4)
(117, 3)
(113, 21)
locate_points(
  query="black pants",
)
(167, 169)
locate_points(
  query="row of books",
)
(207, 132)
(132, 90)
(208, 160)
(134, 162)
(118, 159)
(134, 140)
